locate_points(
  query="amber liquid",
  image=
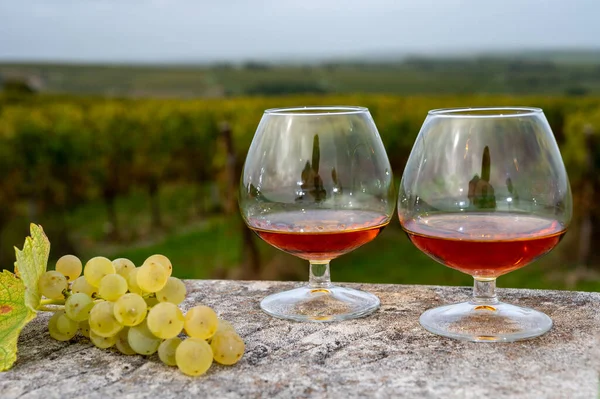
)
(318, 234)
(484, 245)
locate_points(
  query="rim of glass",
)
(317, 110)
(486, 112)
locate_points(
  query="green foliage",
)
(19, 295)
(582, 129)
(13, 317)
(58, 153)
(31, 264)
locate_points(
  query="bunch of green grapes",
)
(135, 309)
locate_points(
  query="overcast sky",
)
(209, 30)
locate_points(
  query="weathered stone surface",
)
(385, 355)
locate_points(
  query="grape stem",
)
(44, 302)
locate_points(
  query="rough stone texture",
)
(385, 355)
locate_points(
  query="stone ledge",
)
(385, 355)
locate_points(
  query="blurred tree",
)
(194, 134)
(283, 87)
(116, 137)
(16, 87)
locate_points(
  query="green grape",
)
(112, 287)
(66, 326)
(132, 282)
(96, 268)
(70, 266)
(103, 321)
(201, 322)
(165, 320)
(228, 347)
(224, 325)
(130, 309)
(142, 340)
(80, 284)
(194, 356)
(174, 291)
(84, 328)
(122, 343)
(102, 342)
(163, 261)
(167, 349)
(60, 327)
(123, 266)
(52, 284)
(151, 277)
(78, 306)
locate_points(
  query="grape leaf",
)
(31, 264)
(14, 314)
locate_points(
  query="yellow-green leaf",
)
(13, 317)
(31, 264)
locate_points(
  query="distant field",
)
(535, 73)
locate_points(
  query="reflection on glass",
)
(481, 193)
(317, 184)
(485, 192)
(312, 184)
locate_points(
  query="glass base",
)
(496, 322)
(320, 304)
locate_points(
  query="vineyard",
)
(138, 176)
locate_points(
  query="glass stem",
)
(484, 291)
(319, 275)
